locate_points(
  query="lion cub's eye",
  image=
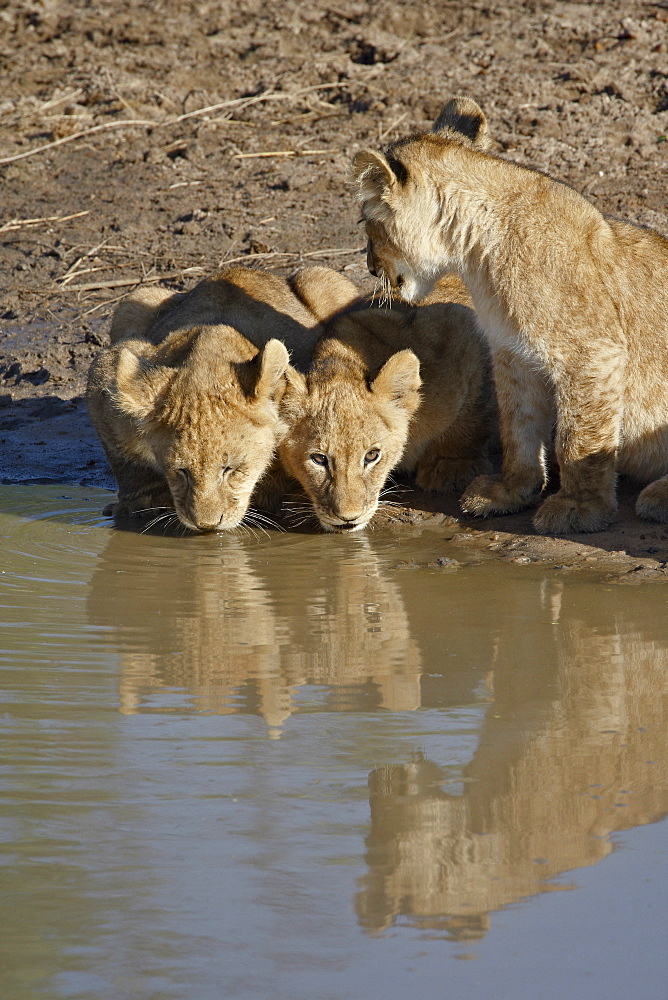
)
(318, 459)
(185, 476)
(372, 455)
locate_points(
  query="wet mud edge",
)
(48, 439)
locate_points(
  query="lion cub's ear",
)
(296, 385)
(399, 380)
(373, 174)
(295, 392)
(261, 376)
(463, 119)
(139, 383)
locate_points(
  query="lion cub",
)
(358, 412)
(186, 400)
(574, 306)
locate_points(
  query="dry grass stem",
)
(287, 254)
(284, 152)
(386, 131)
(14, 224)
(121, 282)
(237, 103)
(66, 279)
(76, 135)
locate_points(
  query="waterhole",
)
(314, 767)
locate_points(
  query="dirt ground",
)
(150, 142)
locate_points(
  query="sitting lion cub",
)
(358, 412)
(574, 307)
(186, 400)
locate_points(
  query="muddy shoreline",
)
(50, 440)
(130, 154)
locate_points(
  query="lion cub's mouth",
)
(342, 527)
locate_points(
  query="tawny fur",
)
(185, 404)
(359, 413)
(179, 390)
(574, 306)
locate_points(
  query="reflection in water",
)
(510, 724)
(573, 750)
(231, 646)
(568, 754)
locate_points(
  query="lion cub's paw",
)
(562, 514)
(652, 502)
(490, 495)
(448, 475)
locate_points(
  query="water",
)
(306, 767)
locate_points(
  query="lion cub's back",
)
(259, 305)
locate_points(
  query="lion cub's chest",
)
(501, 333)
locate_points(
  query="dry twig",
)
(284, 152)
(237, 103)
(121, 282)
(285, 255)
(13, 224)
(329, 252)
(386, 131)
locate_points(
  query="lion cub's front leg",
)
(589, 398)
(439, 473)
(141, 491)
(146, 502)
(452, 460)
(525, 416)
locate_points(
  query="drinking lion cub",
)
(190, 412)
(574, 306)
(406, 388)
(186, 400)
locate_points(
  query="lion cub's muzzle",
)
(207, 521)
(347, 522)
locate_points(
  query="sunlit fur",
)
(574, 306)
(186, 400)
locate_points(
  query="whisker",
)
(302, 502)
(398, 490)
(251, 531)
(156, 520)
(258, 517)
(296, 498)
(297, 522)
(146, 510)
(391, 482)
(250, 524)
